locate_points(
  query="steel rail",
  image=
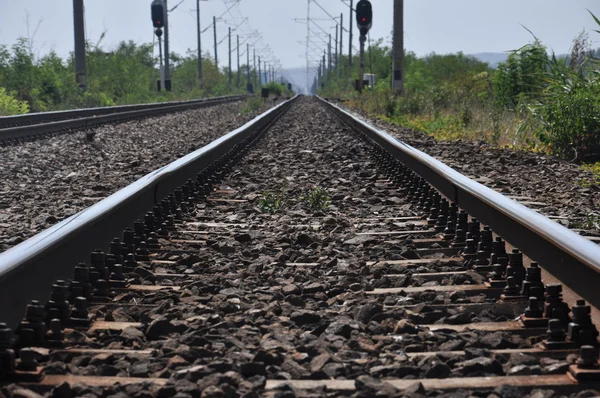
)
(28, 269)
(571, 258)
(25, 126)
(32, 118)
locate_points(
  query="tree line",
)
(535, 100)
(124, 75)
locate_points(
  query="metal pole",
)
(351, 35)
(341, 42)
(200, 77)
(238, 61)
(254, 55)
(324, 65)
(216, 55)
(319, 74)
(361, 76)
(336, 46)
(329, 50)
(307, 46)
(79, 28)
(259, 73)
(398, 67)
(230, 73)
(167, 63)
(162, 69)
(248, 60)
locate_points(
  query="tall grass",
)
(535, 100)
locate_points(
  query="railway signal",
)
(364, 16)
(159, 12)
(364, 21)
(158, 9)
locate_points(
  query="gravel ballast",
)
(288, 295)
(556, 187)
(47, 180)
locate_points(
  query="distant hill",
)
(493, 59)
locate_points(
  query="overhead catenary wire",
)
(245, 29)
(328, 14)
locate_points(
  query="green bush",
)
(568, 108)
(277, 89)
(272, 202)
(10, 105)
(316, 199)
(521, 76)
(569, 113)
(126, 74)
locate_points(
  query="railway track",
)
(27, 127)
(365, 278)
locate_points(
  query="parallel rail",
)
(37, 124)
(574, 260)
(53, 254)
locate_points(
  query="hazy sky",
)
(442, 26)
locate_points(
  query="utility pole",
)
(216, 55)
(254, 55)
(336, 46)
(79, 27)
(230, 73)
(341, 42)
(398, 68)
(167, 57)
(259, 73)
(199, 44)
(307, 46)
(350, 33)
(238, 61)
(319, 74)
(329, 51)
(248, 64)
(265, 69)
(324, 65)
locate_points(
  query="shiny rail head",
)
(564, 253)
(54, 253)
